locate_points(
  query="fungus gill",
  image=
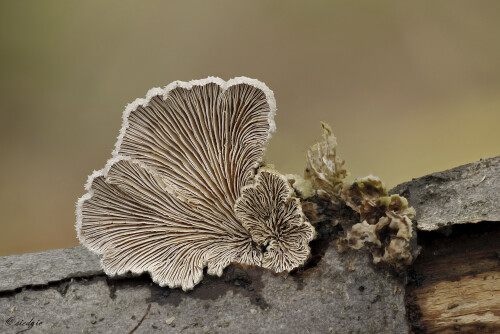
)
(275, 221)
(179, 191)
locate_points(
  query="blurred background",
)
(408, 88)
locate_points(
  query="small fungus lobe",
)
(275, 221)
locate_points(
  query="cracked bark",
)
(67, 291)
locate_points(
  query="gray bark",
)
(18, 271)
(465, 194)
(327, 298)
(65, 291)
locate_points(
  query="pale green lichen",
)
(325, 170)
(365, 188)
(385, 228)
(303, 188)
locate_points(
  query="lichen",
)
(325, 170)
(385, 226)
(385, 229)
(365, 188)
(303, 188)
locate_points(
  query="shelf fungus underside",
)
(181, 191)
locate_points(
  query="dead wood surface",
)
(456, 280)
(465, 194)
(65, 291)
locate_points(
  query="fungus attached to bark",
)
(385, 229)
(165, 201)
(275, 221)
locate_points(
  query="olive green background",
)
(408, 87)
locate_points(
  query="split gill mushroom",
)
(182, 190)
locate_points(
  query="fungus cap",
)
(164, 202)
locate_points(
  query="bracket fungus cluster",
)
(182, 190)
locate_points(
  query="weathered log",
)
(465, 194)
(453, 286)
(455, 282)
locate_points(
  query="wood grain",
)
(457, 280)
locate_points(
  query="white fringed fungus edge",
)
(115, 157)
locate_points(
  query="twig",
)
(140, 321)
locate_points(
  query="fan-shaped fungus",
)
(275, 221)
(165, 201)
